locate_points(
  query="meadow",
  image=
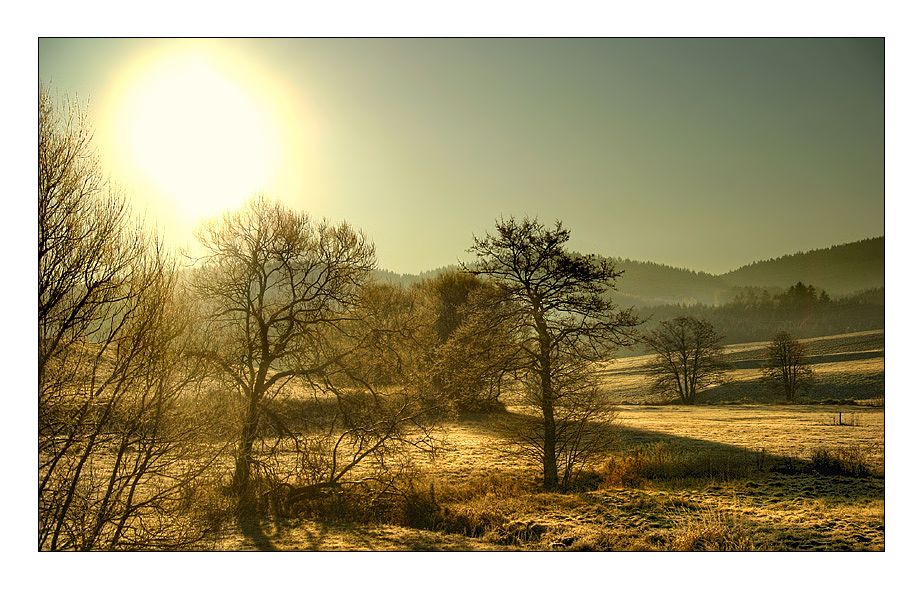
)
(738, 472)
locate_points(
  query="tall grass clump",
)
(710, 530)
(478, 507)
(850, 461)
(666, 462)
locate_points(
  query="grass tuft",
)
(849, 461)
(710, 530)
(666, 462)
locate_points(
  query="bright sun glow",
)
(197, 129)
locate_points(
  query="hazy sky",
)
(701, 153)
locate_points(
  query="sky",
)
(705, 154)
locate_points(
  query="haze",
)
(700, 153)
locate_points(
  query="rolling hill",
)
(839, 270)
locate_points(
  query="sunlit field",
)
(723, 476)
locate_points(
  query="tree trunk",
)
(240, 484)
(549, 460)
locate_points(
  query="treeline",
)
(840, 270)
(802, 310)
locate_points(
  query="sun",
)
(194, 127)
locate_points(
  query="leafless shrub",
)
(585, 425)
(850, 461)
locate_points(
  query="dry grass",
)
(718, 477)
(668, 490)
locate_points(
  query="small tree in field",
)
(688, 357)
(785, 369)
(562, 323)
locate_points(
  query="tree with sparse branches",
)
(562, 322)
(785, 366)
(687, 358)
(287, 302)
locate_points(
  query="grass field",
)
(729, 475)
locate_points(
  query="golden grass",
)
(717, 477)
(490, 501)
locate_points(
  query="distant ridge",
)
(839, 270)
(406, 280)
(649, 283)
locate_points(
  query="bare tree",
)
(288, 303)
(688, 357)
(562, 320)
(785, 367)
(117, 451)
(84, 252)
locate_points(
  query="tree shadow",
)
(252, 530)
(815, 359)
(713, 459)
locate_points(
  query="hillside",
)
(648, 283)
(839, 270)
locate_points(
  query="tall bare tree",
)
(288, 301)
(785, 366)
(563, 321)
(688, 357)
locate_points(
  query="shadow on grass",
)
(817, 359)
(852, 387)
(337, 535)
(252, 530)
(674, 457)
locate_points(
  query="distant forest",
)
(801, 310)
(817, 293)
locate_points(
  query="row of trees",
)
(688, 356)
(801, 310)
